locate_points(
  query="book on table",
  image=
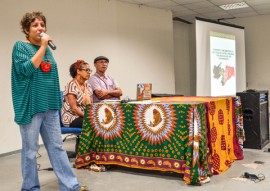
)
(144, 91)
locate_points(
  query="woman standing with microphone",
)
(36, 102)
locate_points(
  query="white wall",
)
(138, 40)
(257, 39)
(184, 58)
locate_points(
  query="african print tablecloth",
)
(158, 136)
(225, 129)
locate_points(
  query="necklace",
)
(85, 93)
(45, 66)
(82, 87)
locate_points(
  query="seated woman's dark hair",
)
(75, 66)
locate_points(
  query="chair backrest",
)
(60, 118)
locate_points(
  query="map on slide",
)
(223, 74)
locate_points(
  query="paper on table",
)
(111, 100)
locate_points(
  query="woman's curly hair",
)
(28, 18)
(75, 66)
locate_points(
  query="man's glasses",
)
(87, 70)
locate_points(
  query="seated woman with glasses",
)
(78, 93)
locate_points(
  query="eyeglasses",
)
(87, 70)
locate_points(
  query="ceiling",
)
(187, 10)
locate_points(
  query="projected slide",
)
(223, 64)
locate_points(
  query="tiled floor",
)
(122, 179)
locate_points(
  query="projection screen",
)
(220, 59)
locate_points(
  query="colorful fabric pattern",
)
(225, 129)
(165, 137)
(239, 121)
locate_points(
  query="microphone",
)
(50, 43)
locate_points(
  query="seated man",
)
(104, 86)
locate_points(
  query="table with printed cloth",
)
(225, 129)
(157, 136)
(193, 136)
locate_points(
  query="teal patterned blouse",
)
(33, 91)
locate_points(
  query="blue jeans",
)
(47, 125)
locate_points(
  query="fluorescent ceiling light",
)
(233, 6)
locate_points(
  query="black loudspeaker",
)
(255, 118)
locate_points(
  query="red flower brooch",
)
(45, 66)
